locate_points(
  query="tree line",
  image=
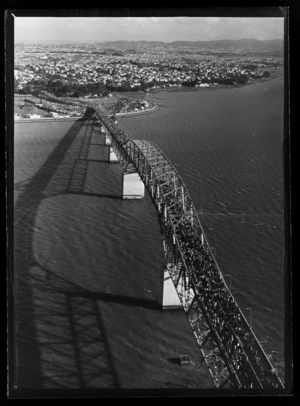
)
(61, 88)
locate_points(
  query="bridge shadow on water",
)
(58, 334)
(60, 340)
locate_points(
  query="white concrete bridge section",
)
(112, 157)
(170, 300)
(107, 140)
(133, 186)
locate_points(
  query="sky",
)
(166, 29)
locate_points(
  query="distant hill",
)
(134, 44)
(246, 45)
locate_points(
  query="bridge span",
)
(231, 351)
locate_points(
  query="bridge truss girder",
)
(231, 351)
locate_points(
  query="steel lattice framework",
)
(232, 352)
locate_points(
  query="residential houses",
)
(155, 68)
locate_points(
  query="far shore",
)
(139, 112)
(38, 120)
(275, 73)
(141, 95)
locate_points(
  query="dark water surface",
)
(88, 265)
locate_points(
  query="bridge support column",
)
(170, 299)
(112, 157)
(133, 186)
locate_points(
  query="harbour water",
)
(88, 265)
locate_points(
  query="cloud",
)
(147, 28)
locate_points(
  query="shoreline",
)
(38, 120)
(252, 81)
(133, 113)
(155, 107)
(211, 86)
(122, 115)
(189, 89)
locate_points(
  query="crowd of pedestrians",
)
(112, 126)
(233, 334)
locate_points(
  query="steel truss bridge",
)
(231, 351)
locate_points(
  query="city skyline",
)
(164, 29)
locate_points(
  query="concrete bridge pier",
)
(107, 141)
(112, 157)
(170, 300)
(133, 186)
